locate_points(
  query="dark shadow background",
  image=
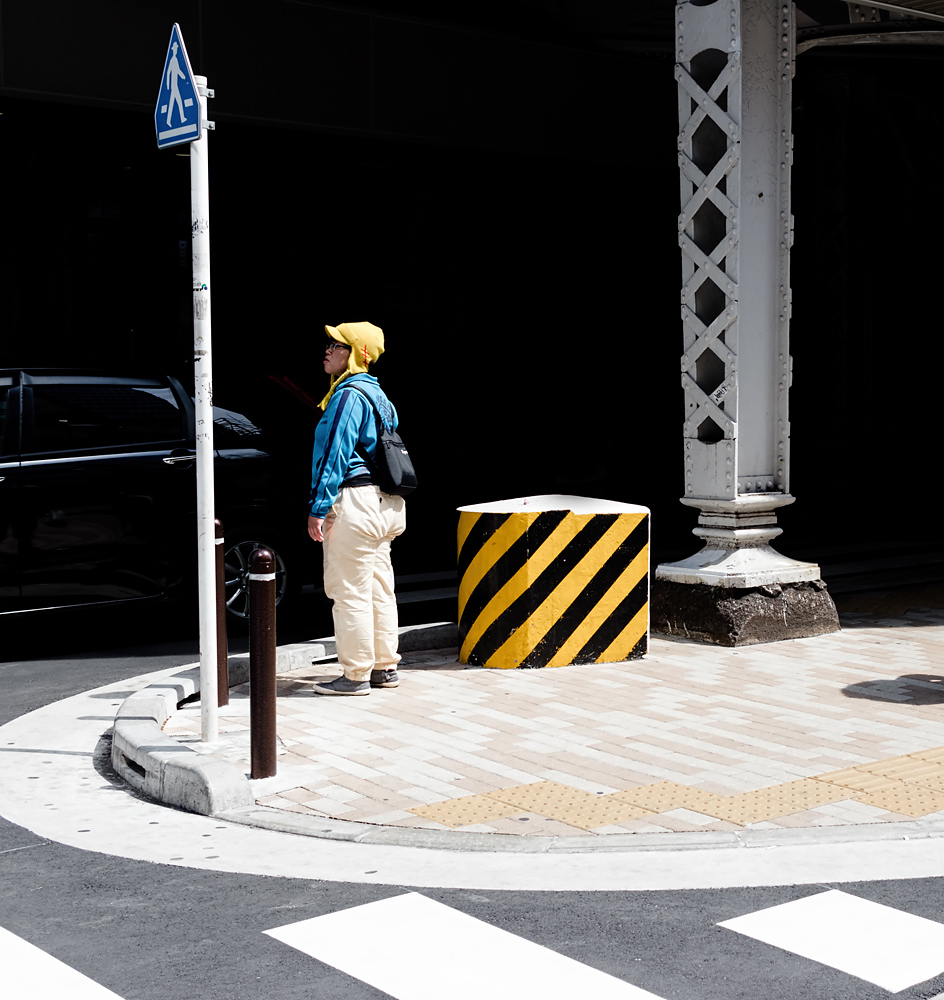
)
(500, 194)
(864, 400)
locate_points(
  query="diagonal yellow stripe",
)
(605, 607)
(493, 548)
(537, 562)
(521, 642)
(626, 641)
(467, 521)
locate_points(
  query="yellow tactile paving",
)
(927, 773)
(934, 782)
(664, 796)
(572, 806)
(602, 812)
(546, 798)
(858, 781)
(805, 793)
(777, 800)
(908, 785)
(909, 800)
(735, 809)
(935, 754)
(465, 810)
(541, 796)
(888, 765)
(658, 797)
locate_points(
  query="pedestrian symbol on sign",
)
(173, 74)
(177, 114)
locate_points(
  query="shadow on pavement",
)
(909, 689)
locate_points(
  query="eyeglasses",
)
(333, 345)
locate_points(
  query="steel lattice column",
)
(734, 71)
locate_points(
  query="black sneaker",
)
(341, 685)
(384, 679)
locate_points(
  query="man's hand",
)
(314, 528)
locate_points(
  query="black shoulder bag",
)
(392, 467)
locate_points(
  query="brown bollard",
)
(262, 739)
(222, 653)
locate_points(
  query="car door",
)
(102, 506)
(9, 473)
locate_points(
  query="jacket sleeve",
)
(336, 437)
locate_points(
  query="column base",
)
(742, 616)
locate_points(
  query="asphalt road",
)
(156, 931)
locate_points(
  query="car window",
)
(234, 430)
(81, 417)
(5, 385)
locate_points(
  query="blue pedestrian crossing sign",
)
(177, 112)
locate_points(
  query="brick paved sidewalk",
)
(832, 730)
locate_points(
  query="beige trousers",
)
(358, 577)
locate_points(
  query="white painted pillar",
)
(734, 67)
(203, 406)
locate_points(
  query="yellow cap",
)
(366, 342)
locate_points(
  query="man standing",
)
(352, 518)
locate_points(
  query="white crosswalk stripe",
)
(877, 943)
(414, 948)
(29, 973)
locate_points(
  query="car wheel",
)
(236, 556)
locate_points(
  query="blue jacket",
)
(348, 421)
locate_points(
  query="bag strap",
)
(371, 464)
(370, 400)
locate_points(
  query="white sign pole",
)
(203, 383)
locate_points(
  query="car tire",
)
(238, 546)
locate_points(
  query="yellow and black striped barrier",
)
(552, 580)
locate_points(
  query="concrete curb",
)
(327, 828)
(165, 770)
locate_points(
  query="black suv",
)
(91, 511)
